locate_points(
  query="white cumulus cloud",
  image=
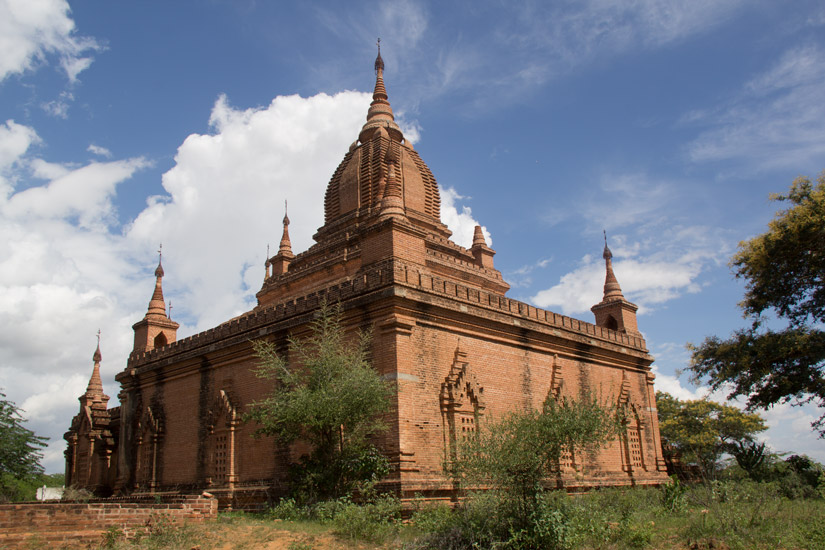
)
(32, 30)
(226, 192)
(459, 218)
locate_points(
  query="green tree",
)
(702, 430)
(20, 454)
(523, 449)
(330, 396)
(784, 273)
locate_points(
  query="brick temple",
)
(444, 331)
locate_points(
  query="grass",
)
(740, 515)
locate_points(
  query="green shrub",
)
(674, 498)
(432, 518)
(288, 510)
(373, 521)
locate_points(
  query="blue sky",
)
(122, 125)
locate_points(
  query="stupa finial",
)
(379, 63)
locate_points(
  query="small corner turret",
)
(156, 329)
(90, 442)
(614, 312)
(279, 263)
(94, 390)
(481, 252)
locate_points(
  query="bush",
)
(374, 521)
(494, 520)
(288, 510)
(674, 495)
(354, 470)
(329, 395)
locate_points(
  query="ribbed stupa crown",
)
(382, 174)
(612, 290)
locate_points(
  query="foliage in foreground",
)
(784, 273)
(19, 453)
(702, 430)
(721, 514)
(744, 515)
(329, 395)
(523, 449)
(517, 455)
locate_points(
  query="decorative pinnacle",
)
(97, 357)
(606, 254)
(379, 63)
(285, 247)
(159, 269)
(478, 237)
(380, 113)
(94, 390)
(157, 306)
(612, 290)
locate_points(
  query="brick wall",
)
(80, 524)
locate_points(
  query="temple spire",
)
(478, 236)
(380, 112)
(156, 329)
(94, 396)
(157, 305)
(614, 312)
(279, 263)
(286, 245)
(379, 63)
(612, 290)
(95, 386)
(482, 253)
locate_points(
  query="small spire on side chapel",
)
(286, 245)
(482, 253)
(612, 290)
(279, 263)
(157, 305)
(478, 237)
(95, 387)
(156, 329)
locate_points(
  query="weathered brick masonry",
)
(460, 351)
(80, 524)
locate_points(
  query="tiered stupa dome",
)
(382, 173)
